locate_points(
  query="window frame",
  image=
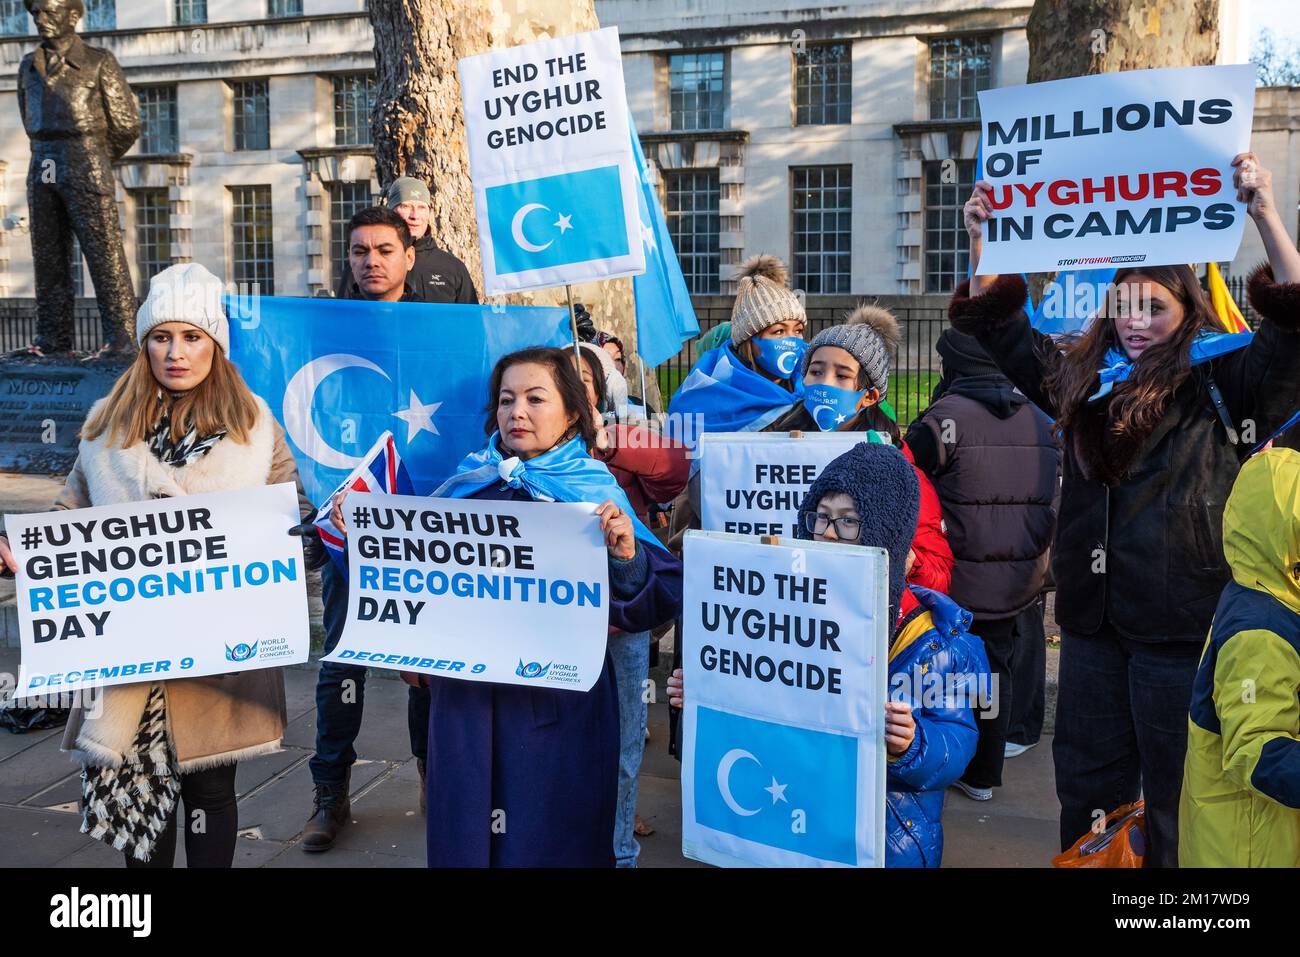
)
(256, 270)
(843, 107)
(704, 281)
(722, 109)
(962, 99)
(841, 279)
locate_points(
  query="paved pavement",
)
(39, 787)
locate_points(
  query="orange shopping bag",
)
(1122, 843)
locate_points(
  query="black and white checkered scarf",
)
(129, 806)
(178, 454)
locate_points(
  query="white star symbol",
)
(840, 419)
(777, 791)
(648, 237)
(418, 417)
(563, 223)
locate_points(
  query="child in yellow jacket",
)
(1240, 804)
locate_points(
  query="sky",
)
(1277, 15)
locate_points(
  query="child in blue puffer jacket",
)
(870, 496)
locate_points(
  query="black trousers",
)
(211, 822)
(985, 769)
(1028, 675)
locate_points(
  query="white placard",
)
(510, 592)
(785, 668)
(1118, 169)
(752, 483)
(550, 151)
(170, 588)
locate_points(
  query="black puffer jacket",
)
(1139, 541)
(995, 465)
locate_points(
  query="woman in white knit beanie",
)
(768, 321)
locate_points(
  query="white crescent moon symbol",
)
(298, 397)
(517, 228)
(724, 782)
(781, 363)
(817, 411)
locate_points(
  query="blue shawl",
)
(564, 474)
(1117, 366)
(731, 396)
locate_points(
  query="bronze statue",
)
(80, 115)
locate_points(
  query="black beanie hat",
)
(886, 494)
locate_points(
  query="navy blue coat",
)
(528, 777)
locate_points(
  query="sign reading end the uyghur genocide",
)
(1117, 169)
(511, 592)
(555, 182)
(171, 588)
(752, 483)
(785, 661)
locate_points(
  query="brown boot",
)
(424, 794)
(331, 810)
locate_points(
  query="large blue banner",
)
(338, 373)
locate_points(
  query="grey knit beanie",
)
(762, 299)
(870, 334)
(407, 189)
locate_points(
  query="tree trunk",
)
(418, 126)
(1083, 37)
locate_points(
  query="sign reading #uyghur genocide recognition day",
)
(1117, 169)
(171, 588)
(785, 660)
(511, 592)
(753, 483)
(550, 152)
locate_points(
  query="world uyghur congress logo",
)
(557, 220)
(786, 787)
(533, 669)
(241, 652)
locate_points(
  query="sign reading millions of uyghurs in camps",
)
(550, 152)
(170, 588)
(339, 373)
(511, 592)
(1117, 169)
(753, 483)
(785, 660)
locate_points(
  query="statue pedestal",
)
(44, 401)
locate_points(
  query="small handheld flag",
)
(380, 471)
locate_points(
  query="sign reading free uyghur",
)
(1117, 169)
(784, 653)
(171, 588)
(511, 592)
(753, 483)
(555, 181)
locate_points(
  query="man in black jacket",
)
(437, 275)
(995, 464)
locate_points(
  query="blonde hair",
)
(132, 409)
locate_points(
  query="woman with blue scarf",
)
(1155, 422)
(527, 777)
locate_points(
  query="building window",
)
(251, 100)
(823, 200)
(345, 200)
(959, 68)
(696, 90)
(947, 247)
(691, 209)
(191, 11)
(252, 247)
(284, 8)
(823, 75)
(100, 15)
(78, 270)
(354, 101)
(14, 19)
(159, 129)
(153, 234)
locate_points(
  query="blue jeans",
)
(1121, 729)
(339, 705)
(630, 655)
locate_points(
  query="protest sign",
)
(785, 664)
(752, 483)
(1117, 169)
(550, 152)
(170, 588)
(511, 592)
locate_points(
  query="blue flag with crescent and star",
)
(338, 373)
(778, 785)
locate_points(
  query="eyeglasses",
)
(846, 529)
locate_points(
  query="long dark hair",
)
(1139, 403)
(573, 394)
(597, 375)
